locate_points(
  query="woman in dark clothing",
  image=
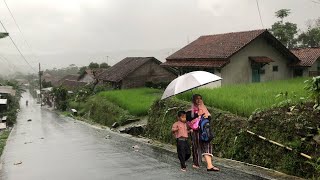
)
(200, 149)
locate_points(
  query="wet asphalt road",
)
(51, 147)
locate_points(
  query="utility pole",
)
(40, 74)
(108, 60)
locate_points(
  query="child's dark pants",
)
(183, 150)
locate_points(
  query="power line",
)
(15, 45)
(260, 14)
(317, 2)
(23, 37)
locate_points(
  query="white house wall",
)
(86, 78)
(314, 67)
(239, 69)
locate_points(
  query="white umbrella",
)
(189, 81)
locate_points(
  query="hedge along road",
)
(54, 147)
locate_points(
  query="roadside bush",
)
(3, 138)
(295, 129)
(76, 105)
(103, 87)
(162, 115)
(313, 87)
(101, 111)
(60, 94)
(159, 85)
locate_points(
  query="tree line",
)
(289, 34)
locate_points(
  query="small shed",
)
(3, 101)
(4, 119)
(7, 90)
(3, 126)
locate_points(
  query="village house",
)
(72, 85)
(90, 75)
(70, 82)
(309, 64)
(134, 72)
(5, 90)
(69, 77)
(238, 57)
(49, 78)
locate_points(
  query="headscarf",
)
(199, 109)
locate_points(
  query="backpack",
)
(205, 130)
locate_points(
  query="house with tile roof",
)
(309, 64)
(70, 82)
(69, 77)
(72, 85)
(90, 75)
(238, 57)
(4, 90)
(48, 78)
(133, 72)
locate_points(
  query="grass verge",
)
(136, 101)
(3, 139)
(297, 129)
(246, 98)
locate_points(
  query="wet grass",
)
(136, 101)
(232, 141)
(3, 139)
(246, 98)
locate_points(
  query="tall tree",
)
(104, 65)
(282, 13)
(93, 65)
(285, 32)
(82, 70)
(311, 37)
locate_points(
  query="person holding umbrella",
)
(199, 148)
(185, 83)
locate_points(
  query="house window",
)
(275, 68)
(262, 71)
(318, 67)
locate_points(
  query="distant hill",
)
(49, 61)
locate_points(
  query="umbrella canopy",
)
(189, 81)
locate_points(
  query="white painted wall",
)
(239, 69)
(86, 78)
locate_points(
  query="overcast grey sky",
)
(59, 31)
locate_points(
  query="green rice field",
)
(246, 98)
(136, 101)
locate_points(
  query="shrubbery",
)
(102, 111)
(160, 85)
(293, 129)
